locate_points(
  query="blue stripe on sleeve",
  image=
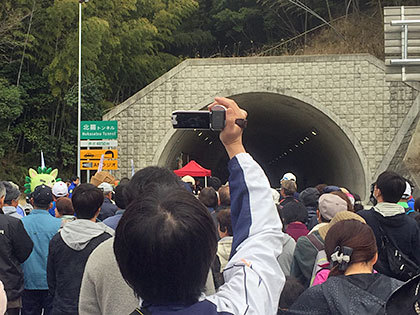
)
(240, 205)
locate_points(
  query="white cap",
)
(106, 188)
(60, 189)
(407, 192)
(288, 176)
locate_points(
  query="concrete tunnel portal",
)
(284, 134)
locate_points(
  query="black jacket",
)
(15, 248)
(361, 294)
(65, 272)
(401, 228)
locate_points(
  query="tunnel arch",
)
(279, 122)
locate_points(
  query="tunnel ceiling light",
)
(310, 134)
(210, 142)
(207, 138)
(200, 134)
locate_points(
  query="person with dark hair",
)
(124, 181)
(41, 227)
(75, 181)
(64, 210)
(389, 220)
(309, 197)
(112, 222)
(146, 176)
(214, 182)
(166, 242)
(224, 245)
(208, 197)
(351, 248)
(11, 200)
(97, 296)
(320, 188)
(15, 248)
(294, 217)
(70, 248)
(224, 197)
(307, 247)
(291, 292)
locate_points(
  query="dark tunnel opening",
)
(284, 134)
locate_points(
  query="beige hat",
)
(340, 216)
(329, 205)
(188, 179)
(102, 177)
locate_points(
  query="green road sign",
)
(99, 130)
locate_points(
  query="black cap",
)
(42, 195)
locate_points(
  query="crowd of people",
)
(156, 244)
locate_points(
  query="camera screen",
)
(192, 120)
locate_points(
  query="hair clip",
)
(341, 256)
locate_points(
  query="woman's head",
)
(350, 234)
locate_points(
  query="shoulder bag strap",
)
(315, 242)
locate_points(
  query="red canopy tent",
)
(193, 169)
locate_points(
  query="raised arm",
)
(253, 277)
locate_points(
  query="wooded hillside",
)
(129, 43)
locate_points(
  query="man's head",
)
(2, 193)
(87, 200)
(75, 180)
(214, 182)
(224, 223)
(208, 197)
(309, 197)
(293, 212)
(59, 190)
(107, 190)
(329, 206)
(146, 176)
(165, 244)
(64, 206)
(42, 197)
(389, 187)
(12, 194)
(224, 196)
(119, 196)
(288, 188)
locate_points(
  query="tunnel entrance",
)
(284, 134)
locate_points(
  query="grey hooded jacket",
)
(68, 253)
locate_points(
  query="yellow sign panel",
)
(94, 164)
(96, 154)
